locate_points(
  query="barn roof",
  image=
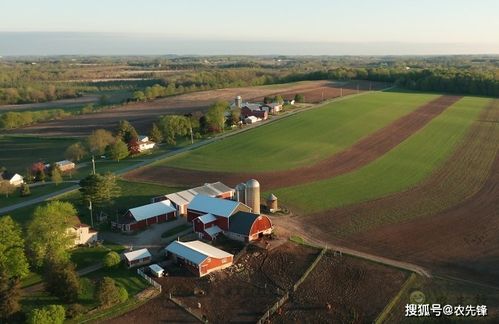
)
(151, 210)
(212, 231)
(137, 255)
(207, 218)
(241, 222)
(215, 206)
(208, 189)
(196, 251)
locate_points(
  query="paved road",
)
(147, 162)
(82, 272)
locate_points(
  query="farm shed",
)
(65, 165)
(200, 258)
(156, 270)
(14, 179)
(180, 200)
(143, 216)
(247, 227)
(137, 258)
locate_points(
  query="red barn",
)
(257, 111)
(143, 216)
(199, 257)
(247, 227)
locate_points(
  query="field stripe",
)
(405, 166)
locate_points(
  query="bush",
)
(52, 314)
(62, 280)
(106, 292)
(75, 310)
(112, 259)
(24, 190)
(123, 293)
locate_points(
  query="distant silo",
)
(272, 203)
(238, 101)
(241, 193)
(253, 195)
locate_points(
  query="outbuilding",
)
(156, 270)
(65, 165)
(137, 258)
(198, 257)
(247, 227)
(14, 179)
(143, 216)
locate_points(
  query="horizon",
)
(223, 27)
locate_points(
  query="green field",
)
(37, 191)
(18, 153)
(304, 138)
(404, 166)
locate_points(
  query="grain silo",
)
(238, 101)
(272, 203)
(241, 193)
(253, 195)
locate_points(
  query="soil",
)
(360, 154)
(141, 115)
(356, 290)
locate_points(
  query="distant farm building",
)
(272, 108)
(198, 257)
(83, 233)
(180, 200)
(65, 165)
(145, 144)
(272, 203)
(137, 258)
(14, 179)
(143, 216)
(255, 110)
(247, 227)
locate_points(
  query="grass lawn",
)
(19, 152)
(37, 191)
(404, 166)
(87, 256)
(304, 138)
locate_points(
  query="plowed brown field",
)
(358, 155)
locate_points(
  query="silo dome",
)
(252, 183)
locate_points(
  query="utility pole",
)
(91, 213)
(341, 92)
(93, 164)
(190, 126)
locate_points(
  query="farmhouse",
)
(272, 108)
(180, 200)
(14, 179)
(83, 234)
(145, 144)
(143, 216)
(200, 258)
(65, 165)
(137, 258)
(254, 110)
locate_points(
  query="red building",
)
(248, 227)
(256, 111)
(143, 216)
(200, 258)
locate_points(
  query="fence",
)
(309, 270)
(383, 316)
(149, 279)
(273, 308)
(187, 309)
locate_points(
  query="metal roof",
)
(207, 218)
(215, 206)
(196, 251)
(137, 255)
(241, 222)
(214, 230)
(208, 189)
(156, 268)
(151, 210)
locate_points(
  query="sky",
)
(320, 27)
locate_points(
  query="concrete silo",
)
(272, 203)
(238, 101)
(241, 193)
(253, 195)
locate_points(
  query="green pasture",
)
(304, 138)
(409, 163)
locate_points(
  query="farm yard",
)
(142, 114)
(356, 290)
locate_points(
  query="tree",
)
(13, 261)
(139, 96)
(215, 116)
(268, 99)
(75, 152)
(235, 116)
(40, 175)
(51, 314)
(24, 191)
(126, 132)
(279, 99)
(10, 295)
(172, 126)
(56, 176)
(62, 280)
(99, 140)
(112, 259)
(6, 188)
(155, 134)
(123, 294)
(47, 235)
(299, 97)
(100, 189)
(118, 150)
(106, 292)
